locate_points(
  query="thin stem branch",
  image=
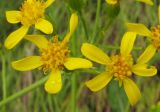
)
(84, 26)
(23, 92)
(57, 108)
(73, 99)
(104, 29)
(74, 80)
(97, 21)
(4, 79)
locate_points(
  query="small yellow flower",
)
(31, 13)
(153, 35)
(112, 2)
(120, 66)
(149, 2)
(54, 57)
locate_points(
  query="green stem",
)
(73, 79)
(4, 79)
(110, 21)
(73, 99)
(50, 103)
(97, 21)
(23, 92)
(105, 28)
(57, 108)
(84, 26)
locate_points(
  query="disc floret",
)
(55, 55)
(121, 66)
(32, 11)
(156, 36)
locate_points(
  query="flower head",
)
(34, 8)
(112, 2)
(153, 35)
(31, 13)
(119, 66)
(54, 56)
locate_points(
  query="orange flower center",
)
(121, 66)
(156, 36)
(55, 55)
(31, 11)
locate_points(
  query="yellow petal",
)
(139, 29)
(73, 22)
(54, 83)
(131, 90)
(99, 82)
(48, 3)
(44, 26)
(144, 70)
(15, 37)
(149, 2)
(13, 16)
(94, 53)
(28, 63)
(73, 26)
(159, 13)
(77, 63)
(67, 37)
(147, 54)
(38, 40)
(127, 43)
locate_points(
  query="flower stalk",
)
(84, 26)
(73, 92)
(4, 79)
(73, 81)
(23, 92)
(97, 21)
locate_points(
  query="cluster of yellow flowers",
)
(55, 55)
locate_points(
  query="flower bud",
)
(113, 8)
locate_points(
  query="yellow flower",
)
(153, 35)
(54, 57)
(112, 2)
(149, 2)
(31, 13)
(120, 66)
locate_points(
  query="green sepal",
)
(75, 4)
(112, 10)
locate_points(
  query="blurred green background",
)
(109, 31)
